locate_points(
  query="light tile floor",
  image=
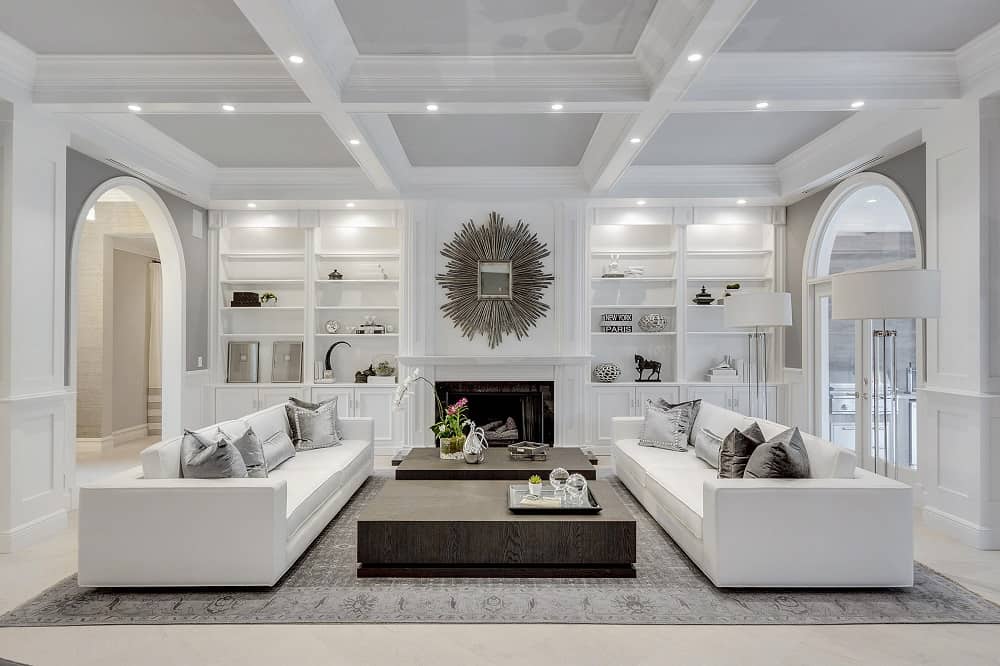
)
(28, 572)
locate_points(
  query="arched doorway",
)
(171, 258)
(866, 223)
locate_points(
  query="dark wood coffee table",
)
(464, 529)
(425, 464)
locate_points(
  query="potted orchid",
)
(452, 421)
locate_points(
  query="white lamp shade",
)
(903, 294)
(758, 309)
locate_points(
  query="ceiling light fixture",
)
(134, 108)
(858, 104)
(296, 59)
(432, 107)
(762, 105)
(355, 142)
(694, 57)
(871, 201)
(741, 202)
(251, 204)
(556, 107)
(634, 140)
(640, 202)
(350, 204)
(228, 107)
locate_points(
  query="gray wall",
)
(131, 335)
(907, 170)
(83, 175)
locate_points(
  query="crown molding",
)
(172, 78)
(978, 63)
(18, 65)
(492, 182)
(757, 182)
(295, 184)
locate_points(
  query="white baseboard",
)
(33, 532)
(95, 444)
(130, 434)
(969, 533)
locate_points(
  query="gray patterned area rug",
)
(322, 588)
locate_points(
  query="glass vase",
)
(451, 448)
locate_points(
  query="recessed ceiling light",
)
(350, 204)
(857, 104)
(296, 59)
(355, 142)
(251, 204)
(432, 107)
(228, 107)
(762, 105)
(694, 57)
(635, 139)
(640, 202)
(556, 107)
(871, 201)
(134, 108)
(741, 202)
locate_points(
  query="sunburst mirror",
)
(495, 279)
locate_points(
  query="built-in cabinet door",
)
(606, 403)
(377, 403)
(743, 402)
(345, 398)
(270, 397)
(721, 396)
(234, 403)
(669, 393)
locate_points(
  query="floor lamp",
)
(880, 296)
(755, 312)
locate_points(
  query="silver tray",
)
(516, 492)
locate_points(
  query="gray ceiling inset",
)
(232, 140)
(529, 140)
(862, 25)
(141, 27)
(753, 137)
(495, 27)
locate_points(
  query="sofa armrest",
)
(808, 532)
(357, 427)
(626, 427)
(178, 532)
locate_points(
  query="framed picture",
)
(242, 365)
(286, 362)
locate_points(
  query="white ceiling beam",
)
(978, 64)
(676, 28)
(18, 64)
(495, 182)
(378, 132)
(290, 184)
(315, 30)
(756, 183)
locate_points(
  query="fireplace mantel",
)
(502, 360)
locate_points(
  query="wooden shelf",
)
(634, 253)
(357, 307)
(634, 279)
(710, 305)
(740, 333)
(357, 335)
(262, 335)
(264, 282)
(363, 254)
(263, 256)
(633, 307)
(727, 253)
(271, 308)
(375, 281)
(734, 278)
(633, 334)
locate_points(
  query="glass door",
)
(837, 381)
(892, 427)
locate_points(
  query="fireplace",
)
(509, 412)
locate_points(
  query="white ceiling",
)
(234, 140)
(753, 137)
(130, 27)
(862, 25)
(495, 27)
(528, 140)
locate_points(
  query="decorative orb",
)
(558, 478)
(576, 489)
(606, 373)
(332, 326)
(653, 322)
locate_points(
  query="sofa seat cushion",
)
(647, 457)
(314, 476)
(680, 491)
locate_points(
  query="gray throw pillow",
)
(313, 428)
(692, 406)
(783, 456)
(210, 457)
(316, 405)
(737, 449)
(252, 452)
(665, 428)
(277, 449)
(707, 445)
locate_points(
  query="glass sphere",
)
(576, 489)
(558, 478)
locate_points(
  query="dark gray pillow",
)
(210, 457)
(693, 407)
(707, 445)
(665, 428)
(252, 452)
(781, 457)
(316, 405)
(736, 450)
(277, 449)
(313, 428)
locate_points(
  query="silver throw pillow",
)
(210, 457)
(313, 428)
(277, 449)
(692, 406)
(707, 445)
(665, 428)
(252, 452)
(781, 457)
(736, 450)
(316, 405)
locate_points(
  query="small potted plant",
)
(269, 299)
(535, 484)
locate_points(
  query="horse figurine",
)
(642, 364)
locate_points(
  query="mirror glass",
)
(495, 279)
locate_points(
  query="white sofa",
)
(844, 527)
(148, 527)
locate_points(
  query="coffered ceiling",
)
(388, 98)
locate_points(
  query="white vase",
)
(535, 488)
